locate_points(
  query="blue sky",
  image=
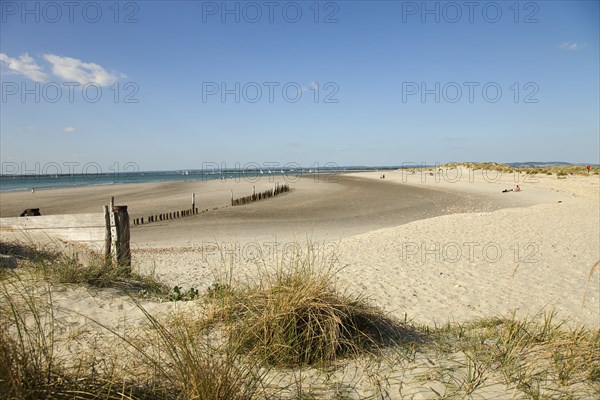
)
(387, 75)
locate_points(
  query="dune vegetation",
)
(289, 332)
(558, 170)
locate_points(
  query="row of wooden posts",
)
(278, 189)
(165, 216)
(169, 215)
(117, 224)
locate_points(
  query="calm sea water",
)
(28, 182)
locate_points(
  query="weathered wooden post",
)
(107, 234)
(232, 197)
(114, 222)
(193, 202)
(253, 193)
(121, 241)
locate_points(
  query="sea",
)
(19, 182)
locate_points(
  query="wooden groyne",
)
(167, 216)
(106, 232)
(193, 210)
(278, 189)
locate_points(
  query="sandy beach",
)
(433, 247)
(422, 247)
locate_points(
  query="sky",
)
(182, 84)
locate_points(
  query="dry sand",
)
(433, 251)
(436, 250)
(469, 265)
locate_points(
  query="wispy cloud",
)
(68, 68)
(572, 46)
(69, 129)
(24, 65)
(75, 70)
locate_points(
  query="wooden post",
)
(232, 197)
(193, 201)
(253, 192)
(114, 239)
(107, 236)
(123, 250)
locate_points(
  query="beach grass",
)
(291, 332)
(53, 265)
(294, 314)
(536, 358)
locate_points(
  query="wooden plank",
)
(76, 234)
(55, 221)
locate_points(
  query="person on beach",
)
(33, 190)
(516, 189)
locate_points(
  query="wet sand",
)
(319, 208)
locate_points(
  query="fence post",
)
(193, 202)
(114, 223)
(107, 235)
(123, 251)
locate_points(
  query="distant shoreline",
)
(26, 182)
(19, 183)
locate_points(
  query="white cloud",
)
(24, 65)
(70, 129)
(572, 46)
(74, 70)
(67, 68)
